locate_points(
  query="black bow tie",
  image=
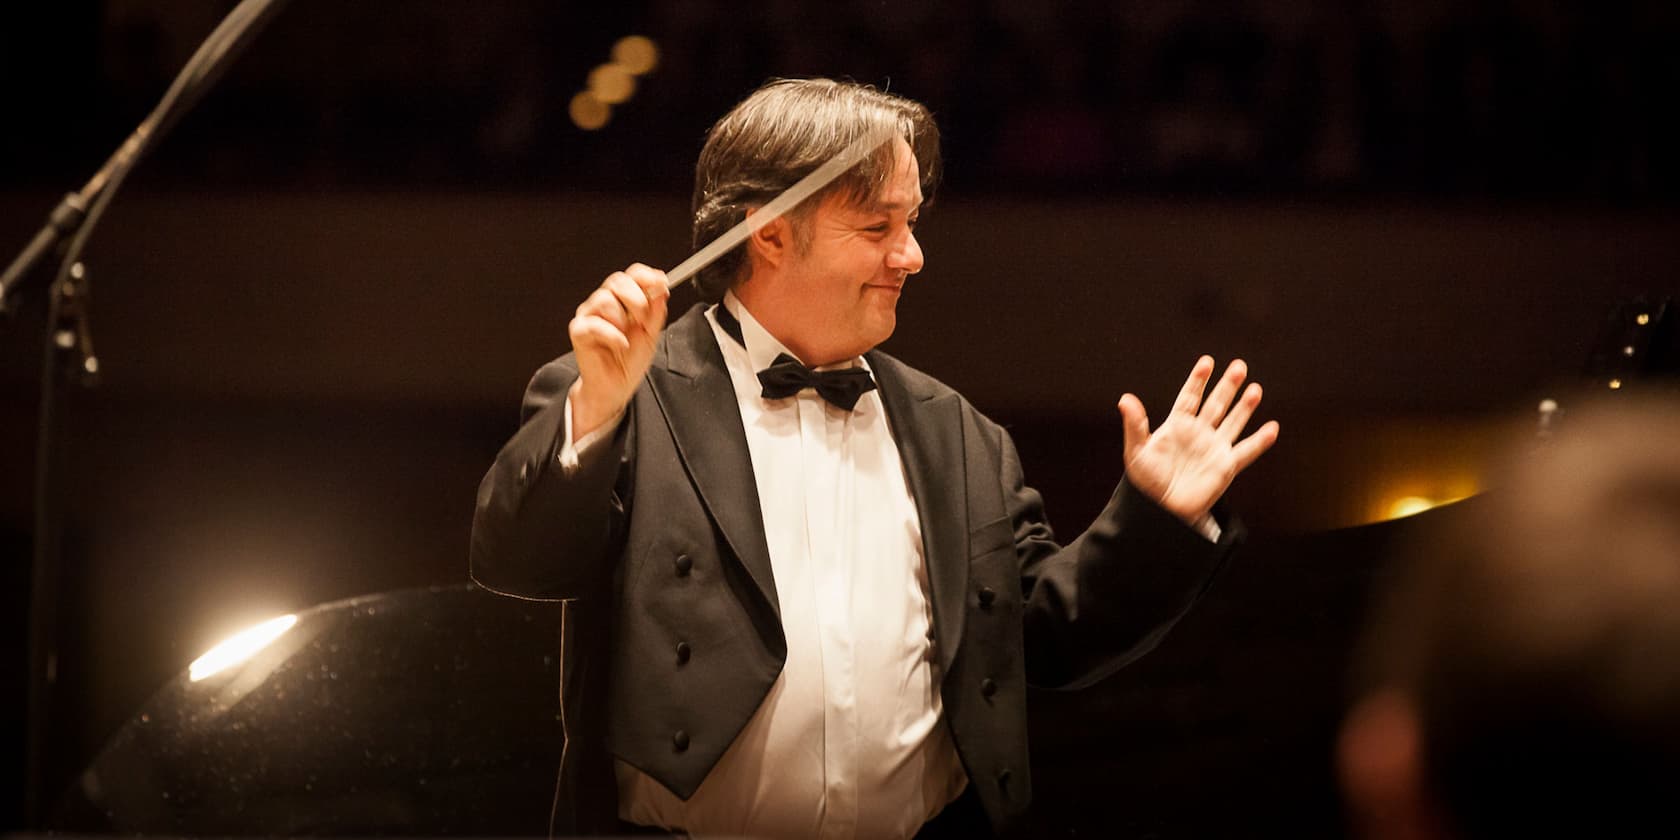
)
(842, 388)
(786, 376)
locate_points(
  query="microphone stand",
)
(68, 356)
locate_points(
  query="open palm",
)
(1187, 463)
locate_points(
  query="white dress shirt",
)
(850, 741)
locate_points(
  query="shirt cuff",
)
(570, 454)
(1207, 526)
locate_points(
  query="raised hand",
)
(613, 335)
(1187, 463)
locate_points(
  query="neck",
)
(787, 321)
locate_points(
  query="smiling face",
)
(832, 291)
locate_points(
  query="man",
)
(1523, 673)
(813, 611)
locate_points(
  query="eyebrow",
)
(890, 206)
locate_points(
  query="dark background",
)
(317, 305)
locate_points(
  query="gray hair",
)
(781, 133)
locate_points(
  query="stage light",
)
(611, 83)
(589, 113)
(1414, 494)
(1403, 504)
(1409, 505)
(636, 54)
(239, 647)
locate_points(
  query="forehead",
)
(901, 193)
(905, 185)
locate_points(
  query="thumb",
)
(1135, 422)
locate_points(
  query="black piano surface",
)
(433, 712)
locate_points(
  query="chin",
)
(881, 333)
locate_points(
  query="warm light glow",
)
(636, 54)
(1415, 501)
(611, 83)
(239, 647)
(1642, 319)
(1615, 384)
(1409, 505)
(588, 112)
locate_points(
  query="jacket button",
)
(679, 741)
(987, 596)
(684, 563)
(988, 687)
(683, 653)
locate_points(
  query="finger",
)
(1219, 399)
(652, 282)
(1234, 422)
(600, 347)
(1190, 395)
(630, 296)
(1255, 445)
(1134, 422)
(592, 332)
(659, 313)
(603, 304)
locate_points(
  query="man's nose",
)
(907, 257)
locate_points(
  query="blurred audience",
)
(1522, 98)
(1522, 677)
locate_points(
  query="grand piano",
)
(433, 712)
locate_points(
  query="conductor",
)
(806, 584)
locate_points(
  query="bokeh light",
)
(636, 53)
(611, 83)
(588, 112)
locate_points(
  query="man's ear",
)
(771, 243)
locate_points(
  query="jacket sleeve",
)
(1112, 594)
(539, 532)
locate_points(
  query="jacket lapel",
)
(694, 391)
(927, 426)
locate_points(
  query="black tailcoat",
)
(661, 542)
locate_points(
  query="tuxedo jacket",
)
(659, 541)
